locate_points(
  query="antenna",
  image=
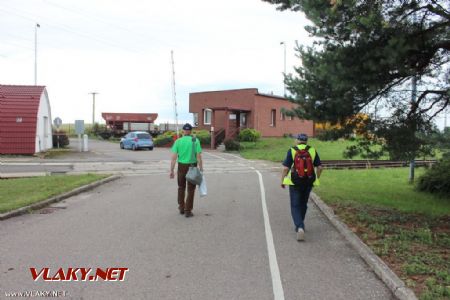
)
(174, 94)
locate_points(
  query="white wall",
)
(44, 123)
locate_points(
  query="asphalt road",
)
(239, 245)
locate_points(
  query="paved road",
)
(239, 245)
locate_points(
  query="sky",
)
(122, 50)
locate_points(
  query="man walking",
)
(182, 150)
(302, 167)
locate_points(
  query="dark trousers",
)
(299, 195)
(181, 176)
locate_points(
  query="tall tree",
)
(365, 55)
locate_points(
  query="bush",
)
(60, 137)
(203, 136)
(105, 135)
(329, 134)
(437, 179)
(231, 145)
(162, 140)
(249, 135)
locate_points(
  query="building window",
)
(282, 116)
(207, 116)
(290, 118)
(45, 126)
(195, 119)
(273, 117)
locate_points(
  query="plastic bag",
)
(194, 176)
(202, 188)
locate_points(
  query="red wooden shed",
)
(25, 119)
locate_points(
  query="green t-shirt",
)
(183, 147)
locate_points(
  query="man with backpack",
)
(302, 167)
(188, 151)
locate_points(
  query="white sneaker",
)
(300, 234)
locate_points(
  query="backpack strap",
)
(193, 150)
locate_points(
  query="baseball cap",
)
(302, 137)
(187, 126)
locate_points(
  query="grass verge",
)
(275, 149)
(409, 230)
(16, 193)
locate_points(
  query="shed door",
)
(45, 127)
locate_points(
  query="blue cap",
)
(302, 137)
(187, 126)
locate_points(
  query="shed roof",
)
(130, 117)
(19, 105)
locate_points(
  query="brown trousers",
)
(181, 176)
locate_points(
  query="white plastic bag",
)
(202, 188)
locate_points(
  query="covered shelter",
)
(25, 119)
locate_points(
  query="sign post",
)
(79, 130)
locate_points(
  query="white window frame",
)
(282, 116)
(205, 111)
(273, 117)
(195, 119)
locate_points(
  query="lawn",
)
(409, 230)
(16, 193)
(274, 149)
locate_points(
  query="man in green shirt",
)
(182, 150)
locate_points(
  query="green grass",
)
(16, 193)
(381, 188)
(274, 149)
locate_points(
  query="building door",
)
(243, 120)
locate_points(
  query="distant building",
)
(25, 119)
(232, 110)
(125, 122)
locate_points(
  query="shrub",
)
(329, 134)
(231, 145)
(105, 135)
(437, 179)
(249, 135)
(61, 138)
(162, 140)
(203, 136)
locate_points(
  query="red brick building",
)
(231, 110)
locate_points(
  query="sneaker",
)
(188, 214)
(300, 234)
(181, 212)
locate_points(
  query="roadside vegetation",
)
(408, 229)
(16, 193)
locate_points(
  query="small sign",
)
(79, 126)
(232, 116)
(57, 122)
(19, 120)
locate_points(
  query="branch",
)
(440, 110)
(438, 12)
(415, 104)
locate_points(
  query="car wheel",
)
(121, 146)
(151, 148)
(134, 147)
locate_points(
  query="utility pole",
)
(412, 163)
(35, 52)
(174, 94)
(284, 84)
(93, 107)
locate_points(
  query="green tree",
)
(364, 58)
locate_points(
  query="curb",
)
(392, 281)
(57, 198)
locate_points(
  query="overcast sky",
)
(121, 49)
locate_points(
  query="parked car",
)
(136, 140)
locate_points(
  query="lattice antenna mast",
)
(174, 93)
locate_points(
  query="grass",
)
(16, 193)
(409, 230)
(275, 149)
(382, 188)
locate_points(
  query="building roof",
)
(19, 105)
(255, 90)
(130, 117)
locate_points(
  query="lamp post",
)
(35, 52)
(93, 107)
(284, 84)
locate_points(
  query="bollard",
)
(85, 143)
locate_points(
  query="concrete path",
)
(239, 245)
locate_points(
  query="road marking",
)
(213, 155)
(278, 293)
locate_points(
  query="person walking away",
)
(301, 170)
(182, 151)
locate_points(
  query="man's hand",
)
(172, 175)
(283, 186)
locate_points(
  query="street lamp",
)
(284, 84)
(35, 52)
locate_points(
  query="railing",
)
(219, 137)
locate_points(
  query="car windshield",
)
(143, 136)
